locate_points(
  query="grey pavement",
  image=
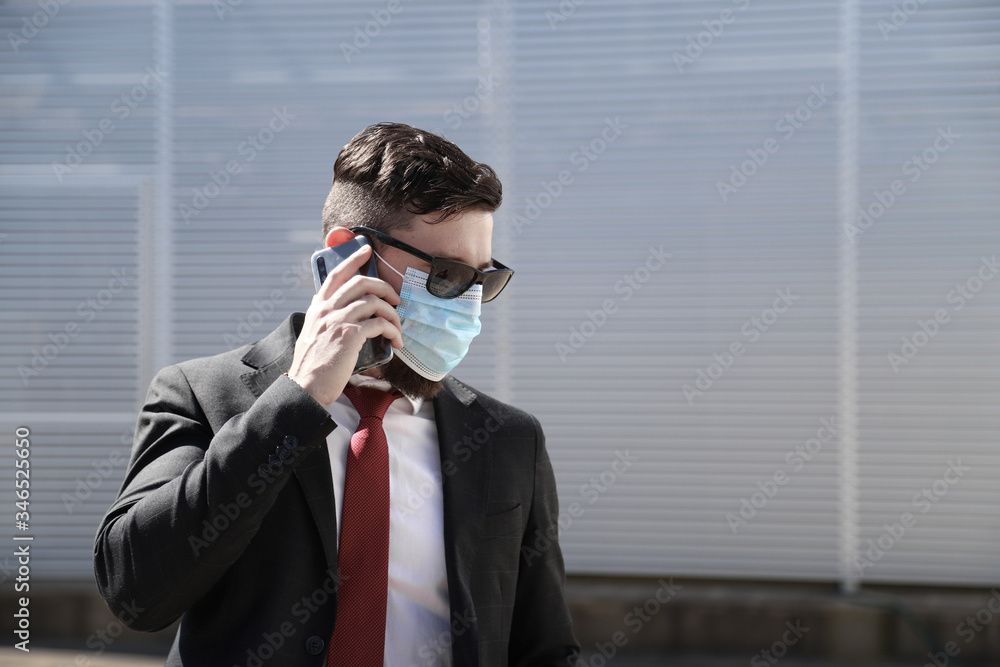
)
(10, 657)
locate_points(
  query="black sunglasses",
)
(448, 278)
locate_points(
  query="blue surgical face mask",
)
(436, 332)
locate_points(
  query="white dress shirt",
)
(417, 631)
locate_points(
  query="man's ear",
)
(338, 235)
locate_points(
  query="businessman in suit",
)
(288, 522)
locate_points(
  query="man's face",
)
(466, 237)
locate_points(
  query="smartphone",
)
(376, 351)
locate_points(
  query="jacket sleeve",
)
(542, 630)
(192, 499)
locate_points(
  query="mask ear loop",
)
(388, 264)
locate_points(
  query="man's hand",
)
(347, 311)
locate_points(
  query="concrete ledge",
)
(750, 620)
(771, 619)
(75, 618)
(10, 657)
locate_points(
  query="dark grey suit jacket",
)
(226, 519)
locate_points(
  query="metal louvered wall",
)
(712, 338)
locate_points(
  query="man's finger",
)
(368, 306)
(378, 326)
(343, 272)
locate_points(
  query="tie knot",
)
(370, 402)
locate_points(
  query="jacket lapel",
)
(270, 358)
(465, 479)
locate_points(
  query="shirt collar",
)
(358, 380)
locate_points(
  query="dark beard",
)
(408, 381)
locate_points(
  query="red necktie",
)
(363, 555)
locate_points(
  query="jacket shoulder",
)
(505, 413)
(230, 362)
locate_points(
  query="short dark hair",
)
(390, 172)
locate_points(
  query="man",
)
(254, 505)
